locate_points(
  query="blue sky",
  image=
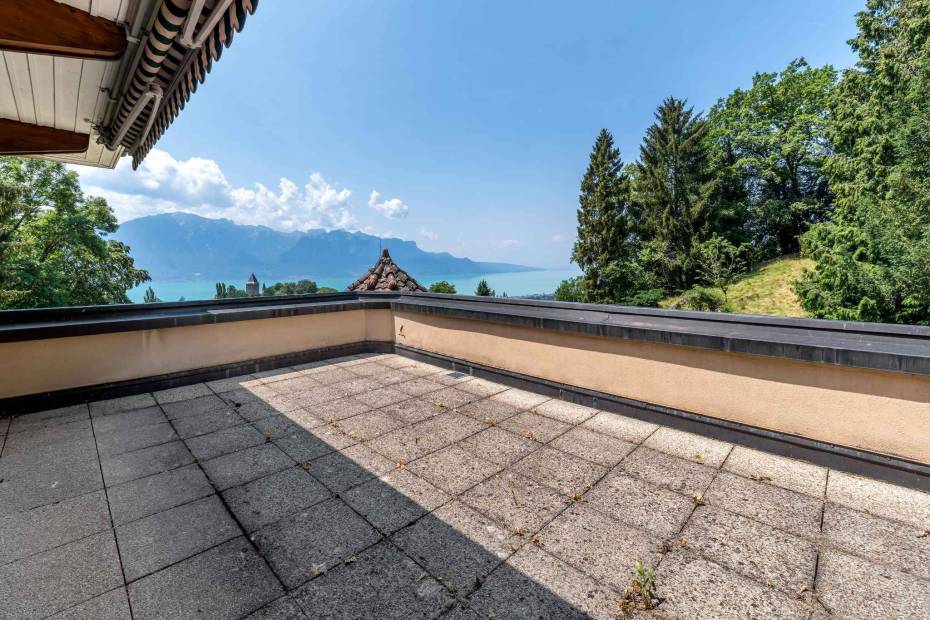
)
(472, 120)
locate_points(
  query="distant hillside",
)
(768, 289)
(177, 246)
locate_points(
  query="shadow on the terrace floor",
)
(314, 472)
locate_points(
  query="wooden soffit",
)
(49, 27)
(18, 138)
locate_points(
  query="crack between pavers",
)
(106, 495)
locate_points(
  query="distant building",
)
(386, 276)
(252, 287)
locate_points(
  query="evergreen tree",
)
(150, 297)
(483, 290)
(605, 244)
(873, 259)
(674, 187)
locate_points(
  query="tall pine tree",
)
(674, 188)
(605, 242)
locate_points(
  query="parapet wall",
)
(863, 387)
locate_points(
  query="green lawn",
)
(768, 289)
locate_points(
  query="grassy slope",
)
(768, 289)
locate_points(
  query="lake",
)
(515, 283)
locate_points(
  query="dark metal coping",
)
(898, 348)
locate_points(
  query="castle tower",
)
(252, 287)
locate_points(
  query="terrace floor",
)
(376, 486)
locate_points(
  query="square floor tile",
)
(640, 504)
(697, 588)
(306, 544)
(879, 498)
(599, 545)
(458, 546)
(145, 462)
(380, 582)
(499, 446)
(269, 499)
(227, 581)
(563, 472)
(534, 426)
(341, 471)
(689, 446)
(793, 512)
(156, 541)
(534, 584)
(621, 427)
(772, 557)
(224, 441)
(453, 469)
(145, 496)
(664, 470)
(595, 447)
(520, 503)
(246, 465)
(395, 500)
(787, 473)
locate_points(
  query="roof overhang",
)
(86, 82)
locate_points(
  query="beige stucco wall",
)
(873, 410)
(45, 365)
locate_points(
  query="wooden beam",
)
(49, 27)
(18, 138)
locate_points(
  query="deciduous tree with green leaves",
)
(771, 140)
(54, 249)
(442, 287)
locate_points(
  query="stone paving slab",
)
(246, 465)
(26, 533)
(793, 512)
(224, 441)
(534, 584)
(640, 504)
(43, 584)
(228, 581)
(269, 499)
(598, 545)
(130, 440)
(459, 546)
(895, 544)
(787, 473)
(395, 500)
(852, 587)
(465, 498)
(145, 462)
(380, 582)
(776, 558)
(145, 496)
(680, 475)
(693, 587)
(112, 605)
(306, 544)
(144, 546)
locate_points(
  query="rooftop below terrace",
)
(376, 485)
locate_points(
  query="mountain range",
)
(180, 246)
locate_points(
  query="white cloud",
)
(428, 234)
(393, 208)
(163, 184)
(558, 238)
